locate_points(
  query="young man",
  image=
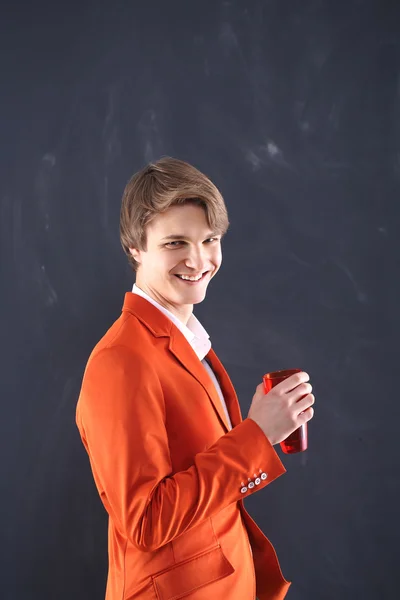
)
(171, 456)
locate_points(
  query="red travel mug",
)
(298, 440)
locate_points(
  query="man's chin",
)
(190, 299)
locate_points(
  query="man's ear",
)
(135, 253)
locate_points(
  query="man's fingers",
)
(306, 415)
(299, 392)
(305, 403)
(292, 382)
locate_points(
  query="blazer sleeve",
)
(121, 419)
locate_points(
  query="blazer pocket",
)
(192, 574)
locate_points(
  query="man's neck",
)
(182, 312)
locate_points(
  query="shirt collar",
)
(193, 331)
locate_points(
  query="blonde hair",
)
(158, 186)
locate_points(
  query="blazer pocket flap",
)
(181, 579)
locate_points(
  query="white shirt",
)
(197, 337)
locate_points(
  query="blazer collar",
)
(161, 326)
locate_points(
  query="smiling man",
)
(171, 456)
(177, 268)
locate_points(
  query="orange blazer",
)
(169, 471)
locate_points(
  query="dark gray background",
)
(292, 109)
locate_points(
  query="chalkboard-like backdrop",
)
(293, 110)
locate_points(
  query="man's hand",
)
(285, 408)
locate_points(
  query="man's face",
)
(194, 251)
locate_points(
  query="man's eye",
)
(171, 243)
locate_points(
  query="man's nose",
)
(196, 259)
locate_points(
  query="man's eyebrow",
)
(174, 236)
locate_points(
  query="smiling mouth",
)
(192, 281)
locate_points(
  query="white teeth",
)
(190, 278)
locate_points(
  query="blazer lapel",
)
(227, 388)
(183, 351)
(161, 326)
